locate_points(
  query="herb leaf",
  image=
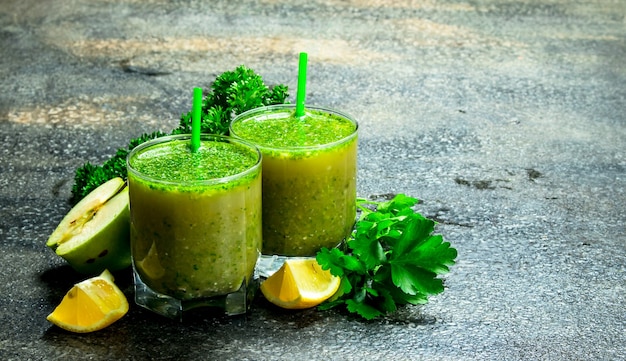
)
(363, 309)
(89, 176)
(231, 93)
(414, 280)
(391, 259)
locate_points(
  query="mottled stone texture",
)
(506, 118)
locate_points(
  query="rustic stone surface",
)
(505, 118)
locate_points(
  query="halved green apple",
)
(95, 234)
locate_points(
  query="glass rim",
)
(268, 108)
(206, 182)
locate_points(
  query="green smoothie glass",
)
(196, 230)
(309, 176)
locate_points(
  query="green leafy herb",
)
(89, 176)
(232, 93)
(391, 259)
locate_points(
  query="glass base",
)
(268, 264)
(234, 303)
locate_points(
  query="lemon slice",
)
(299, 284)
(90, 305)
(151, 264)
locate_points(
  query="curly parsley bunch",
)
(232, 93)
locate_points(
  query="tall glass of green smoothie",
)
(309, 176)
(195, 223)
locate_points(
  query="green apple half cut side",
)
(95, 233)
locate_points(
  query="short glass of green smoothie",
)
(309, 176)
(196, 230)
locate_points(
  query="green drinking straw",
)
(195, 119)
(301, 85)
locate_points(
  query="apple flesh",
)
(95, 234)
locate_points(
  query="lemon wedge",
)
(299, 284)
(90, 305)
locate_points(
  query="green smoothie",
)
(195, 217)
(309, 176)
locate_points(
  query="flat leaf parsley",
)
(391, 259)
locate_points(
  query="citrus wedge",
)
(90, 305)
(299, 284)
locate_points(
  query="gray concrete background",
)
(506, 118)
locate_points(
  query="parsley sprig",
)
(232, 93)
(391, 259)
